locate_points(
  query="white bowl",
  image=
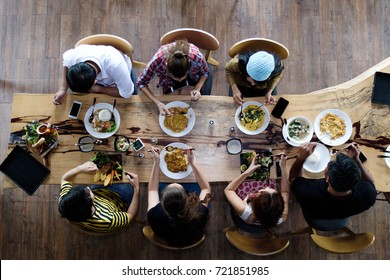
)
(243, 128)
(190, 115)
(89, 127)
(306, 138)
(164, 167)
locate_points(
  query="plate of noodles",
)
(333, 127)
(181, 122)
(318, 160)
(173, 161)
(104, 123)
(256, 118)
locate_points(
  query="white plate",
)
(164, 167)
(260, 129)
(190, 115)
(324, 138)
(293, 142)
(89, 128)
(323, 159)
(388, 154)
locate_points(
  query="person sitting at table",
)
(347, 189)
(252, 74)
(258, 205)
(98, 208)
(178, 212)
(181, 68)
(96, 69)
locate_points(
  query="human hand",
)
(353, 151)
(155, 152)
(59, 97)
(163, 109)
(237, 97)
(269, 99)
(191, 156)
(306, 150)
(195, 94)
(283, 162)
(87, 167)
(133, 179)
(254, 165)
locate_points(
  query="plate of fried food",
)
(333, 127)
(173, 161)
(105, 122)
(255, 120)
(180, 122)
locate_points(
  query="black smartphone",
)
(278, 170)
(362, 157)
(279, 108)
(75, 110)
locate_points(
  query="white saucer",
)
(320, 165)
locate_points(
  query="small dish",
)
(299, 130)
(318, 160)
(234, 146)
(122, 143)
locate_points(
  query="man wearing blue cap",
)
(254, 74)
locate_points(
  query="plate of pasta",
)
(333, 127)
(256, 118)
(173, 161)
(181, 122)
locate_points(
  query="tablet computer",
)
(381, 89)
(24, 170)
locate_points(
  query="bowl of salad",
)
(122, 143)
(299, 130)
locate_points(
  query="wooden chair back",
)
(112, 40)
(151, 236)
(259, 246)
(259, 44)
(343, 244)
(202, 39)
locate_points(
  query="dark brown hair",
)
(268, 208)
(178, 61)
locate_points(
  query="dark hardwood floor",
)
(330, 42)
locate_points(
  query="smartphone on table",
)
(75, 109)
(280, 107)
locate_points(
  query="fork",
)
(90, 119)
(241, 113)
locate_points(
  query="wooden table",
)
(139, 118)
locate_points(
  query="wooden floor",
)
(330, 42)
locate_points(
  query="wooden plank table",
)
(139, 118)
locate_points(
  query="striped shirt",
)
(158, 65)
(110, 210)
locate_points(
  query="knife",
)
(51, 147)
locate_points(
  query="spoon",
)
(113, 109)
(241, 113)
(93, 108)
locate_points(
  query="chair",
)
(259, 44)
(343, 244)
(114, 41)
(151, 236)
(259, 246)
(202, 39)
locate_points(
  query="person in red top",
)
(181, 68)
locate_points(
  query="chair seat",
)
(345, 244)
(159, 241)
(259, 246)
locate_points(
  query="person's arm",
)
(271, 85)
(231, 69)
(303, 153)
(285, 186)
(195, 93)
(60, 95)
(199, 176)
(133, 208)
(353, 152)
(161, 106)
(86, 167)
(108, 90)
(230, 191)
(153, 198)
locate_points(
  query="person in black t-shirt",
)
(347, 189)
(180, 217)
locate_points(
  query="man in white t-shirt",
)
(97, 69)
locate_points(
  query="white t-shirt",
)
(115, 66)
